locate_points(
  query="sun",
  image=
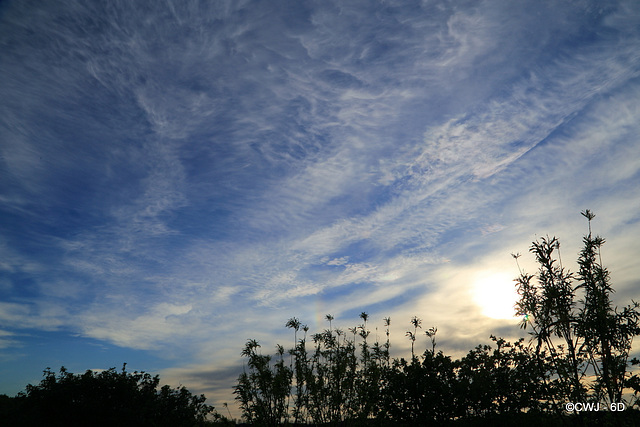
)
(495, 294)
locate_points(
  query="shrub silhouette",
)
(578, 338)
(578, 353)
(106, 398)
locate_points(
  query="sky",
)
(177, 177)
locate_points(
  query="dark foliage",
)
(579, 337)
(334, 385)
(107, 398)
(578, 353)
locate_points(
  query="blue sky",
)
(179, 177)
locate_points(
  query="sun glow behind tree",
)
(495, 294)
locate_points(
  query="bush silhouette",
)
(578, 352)
(576, 332)
(107, 398)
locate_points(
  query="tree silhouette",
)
(582, 337)
(578, 353)
(106, 398)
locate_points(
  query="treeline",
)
(108, 398)
(576, 361)
(578, 354)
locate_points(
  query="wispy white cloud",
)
(199, 174)
(141, 331)
(43, 316)
(452, 150)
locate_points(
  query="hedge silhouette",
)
(578, 352)
(107, 398)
